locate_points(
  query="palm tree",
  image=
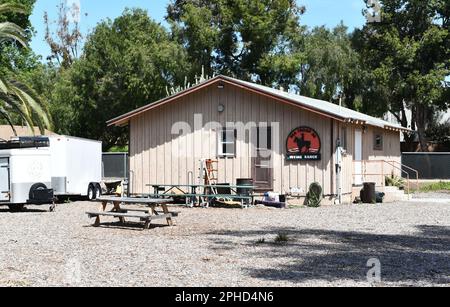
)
(16, 97)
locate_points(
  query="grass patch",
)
(282, 238)
(118, 149)
(261, 241)
(436, 187)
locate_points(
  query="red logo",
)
(304, 144)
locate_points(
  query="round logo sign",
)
(304, 144)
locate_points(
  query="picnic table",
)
(146, 215)
(169, 190)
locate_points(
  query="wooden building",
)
(283, 141)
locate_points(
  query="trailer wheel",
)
(91, 193)
(98, 191)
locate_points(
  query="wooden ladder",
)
(210, 177)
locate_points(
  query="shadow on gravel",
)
(337, 255)
(132, 226)
(7, 210)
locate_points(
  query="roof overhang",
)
(392, 127)
(124, 120)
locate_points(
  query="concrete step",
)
(393, 194)
(390, 189)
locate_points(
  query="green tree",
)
(126, 63)
(408, 53)
(439, 131)
(332, 68)
(14, 56)
(16, 98)
(247, 39)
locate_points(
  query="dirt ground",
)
(409, 244)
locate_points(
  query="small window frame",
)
(221, 143)
(378, 141)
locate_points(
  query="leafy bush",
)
(314, 196)
(395, 181)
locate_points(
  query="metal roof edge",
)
(279, 95)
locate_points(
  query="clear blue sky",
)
(319, 12)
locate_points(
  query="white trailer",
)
(35, 170)
(76, 166)
(25, 177)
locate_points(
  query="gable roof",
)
(321, 107)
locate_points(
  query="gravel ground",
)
(328, 246)
(433, 195)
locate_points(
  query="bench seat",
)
(144, 217)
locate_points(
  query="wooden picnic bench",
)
(144, 215)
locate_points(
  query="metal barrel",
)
(369, 195)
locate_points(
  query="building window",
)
(227, 142)
(378, 142)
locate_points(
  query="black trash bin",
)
(368, 194)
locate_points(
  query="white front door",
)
(4, 180)
(358, 157)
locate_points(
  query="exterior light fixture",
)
(221, 108)
(221, 86)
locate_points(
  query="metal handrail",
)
(383, 174)
(403, 171)
(411, 169)
(407, 174)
